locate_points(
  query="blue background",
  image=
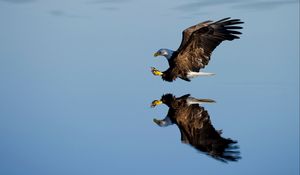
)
(76, 87)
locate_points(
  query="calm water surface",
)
(76, 87)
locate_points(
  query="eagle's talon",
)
(156, 72)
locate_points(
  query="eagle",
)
(198, 43)
(196, 127)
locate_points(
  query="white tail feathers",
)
(192, 100)
(196, 74)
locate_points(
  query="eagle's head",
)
(164, 52)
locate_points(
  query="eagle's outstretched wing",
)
(199, 42)
(186, 34)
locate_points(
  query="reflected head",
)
(167, 98)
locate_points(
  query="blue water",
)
(76, 87)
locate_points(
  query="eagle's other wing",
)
(195, 53)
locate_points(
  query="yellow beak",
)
(155, 103)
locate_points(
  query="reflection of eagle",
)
(193, 54)
(195, 126)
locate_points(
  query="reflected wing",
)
(196, 48)
(196, 129)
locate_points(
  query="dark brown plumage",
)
(196, 128)
(198, 42)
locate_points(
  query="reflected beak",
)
(156, 54)
(155, 103)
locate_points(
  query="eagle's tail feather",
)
(191, 100)
(196, 74)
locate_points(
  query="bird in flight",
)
(198, 43)
(196, 128)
